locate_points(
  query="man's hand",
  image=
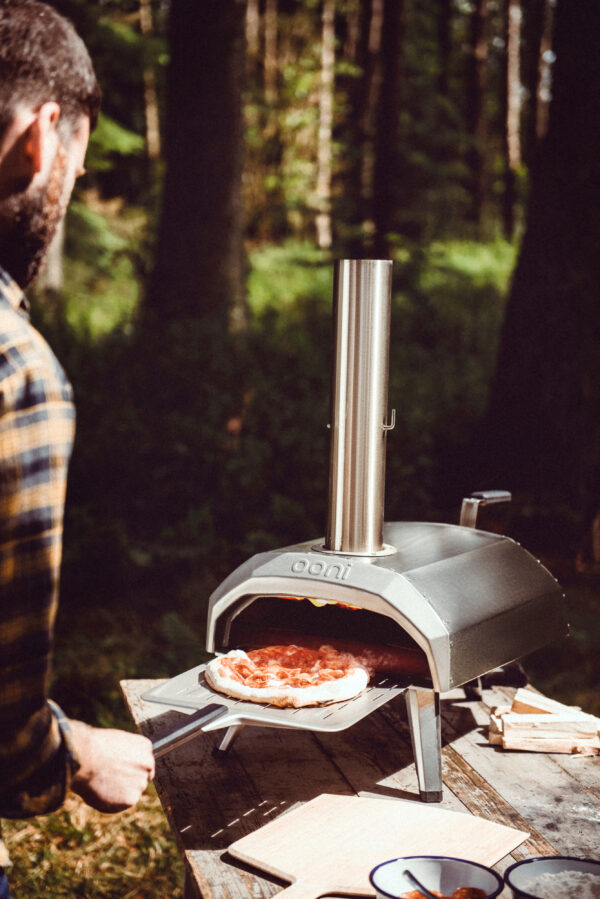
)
(116, 766)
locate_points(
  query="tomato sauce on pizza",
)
(289, 675)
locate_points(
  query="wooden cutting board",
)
(330, 844)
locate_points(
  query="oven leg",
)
(423, 707)
(230, 735)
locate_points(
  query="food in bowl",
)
(459, 893)
(564, 883)
(555, 877)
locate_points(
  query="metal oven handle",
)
(471, 504)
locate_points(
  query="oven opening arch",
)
(345, 610)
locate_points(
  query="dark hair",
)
(42, 59)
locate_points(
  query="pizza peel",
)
(330, 844)
(214, 711)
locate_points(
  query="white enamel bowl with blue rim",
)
(436, 872)
(521, 874)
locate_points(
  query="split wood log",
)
(536, 723)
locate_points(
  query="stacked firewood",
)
(539, 724)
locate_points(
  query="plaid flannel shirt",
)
(36, 436)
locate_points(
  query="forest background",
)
(241, 149)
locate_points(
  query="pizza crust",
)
(323, 683)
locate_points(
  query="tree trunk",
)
(385, 196)
(324, 149)
(533, 23)
(369, 103)
(444, 29)
(512, 112)
(544, 87)
(253, 29)
(476, 118)
(542, 434)
(271, 70)
(48, 288)
(153, 147)
(358, 91)
(199, 257)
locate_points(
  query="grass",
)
(80, 852)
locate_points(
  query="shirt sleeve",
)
(36, 434)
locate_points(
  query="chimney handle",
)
(471, 504)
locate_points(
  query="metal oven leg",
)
(230, 735)
(423, 708)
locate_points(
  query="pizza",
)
(379, 659)
(288, 675)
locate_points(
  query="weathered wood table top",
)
(212, 801)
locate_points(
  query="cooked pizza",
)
(288, 676)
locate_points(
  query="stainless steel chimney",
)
(359, 389)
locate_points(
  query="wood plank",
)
(565, 813)
(481, 799)
(374, 757)
(210, 801)
(200, 806)
(218, 876)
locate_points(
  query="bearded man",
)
(49, 100)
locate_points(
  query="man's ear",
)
(39, 135)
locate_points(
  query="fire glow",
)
(319, 603)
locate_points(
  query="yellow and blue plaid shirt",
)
(37, 422)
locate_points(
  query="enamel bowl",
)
(436, 872)
(554, 875)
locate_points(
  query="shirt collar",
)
(12, 293)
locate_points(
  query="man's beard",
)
(28, 222)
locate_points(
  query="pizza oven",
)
(442, 604)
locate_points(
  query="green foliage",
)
(110, 140)
(445, 327)
(280, 273)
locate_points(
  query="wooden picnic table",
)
(211, 801)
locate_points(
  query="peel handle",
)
(187, 731)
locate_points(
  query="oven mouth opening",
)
(271, 620)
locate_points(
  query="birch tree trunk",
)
(153, 143)
(512, 112)
(252, 29)
(324, 153)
